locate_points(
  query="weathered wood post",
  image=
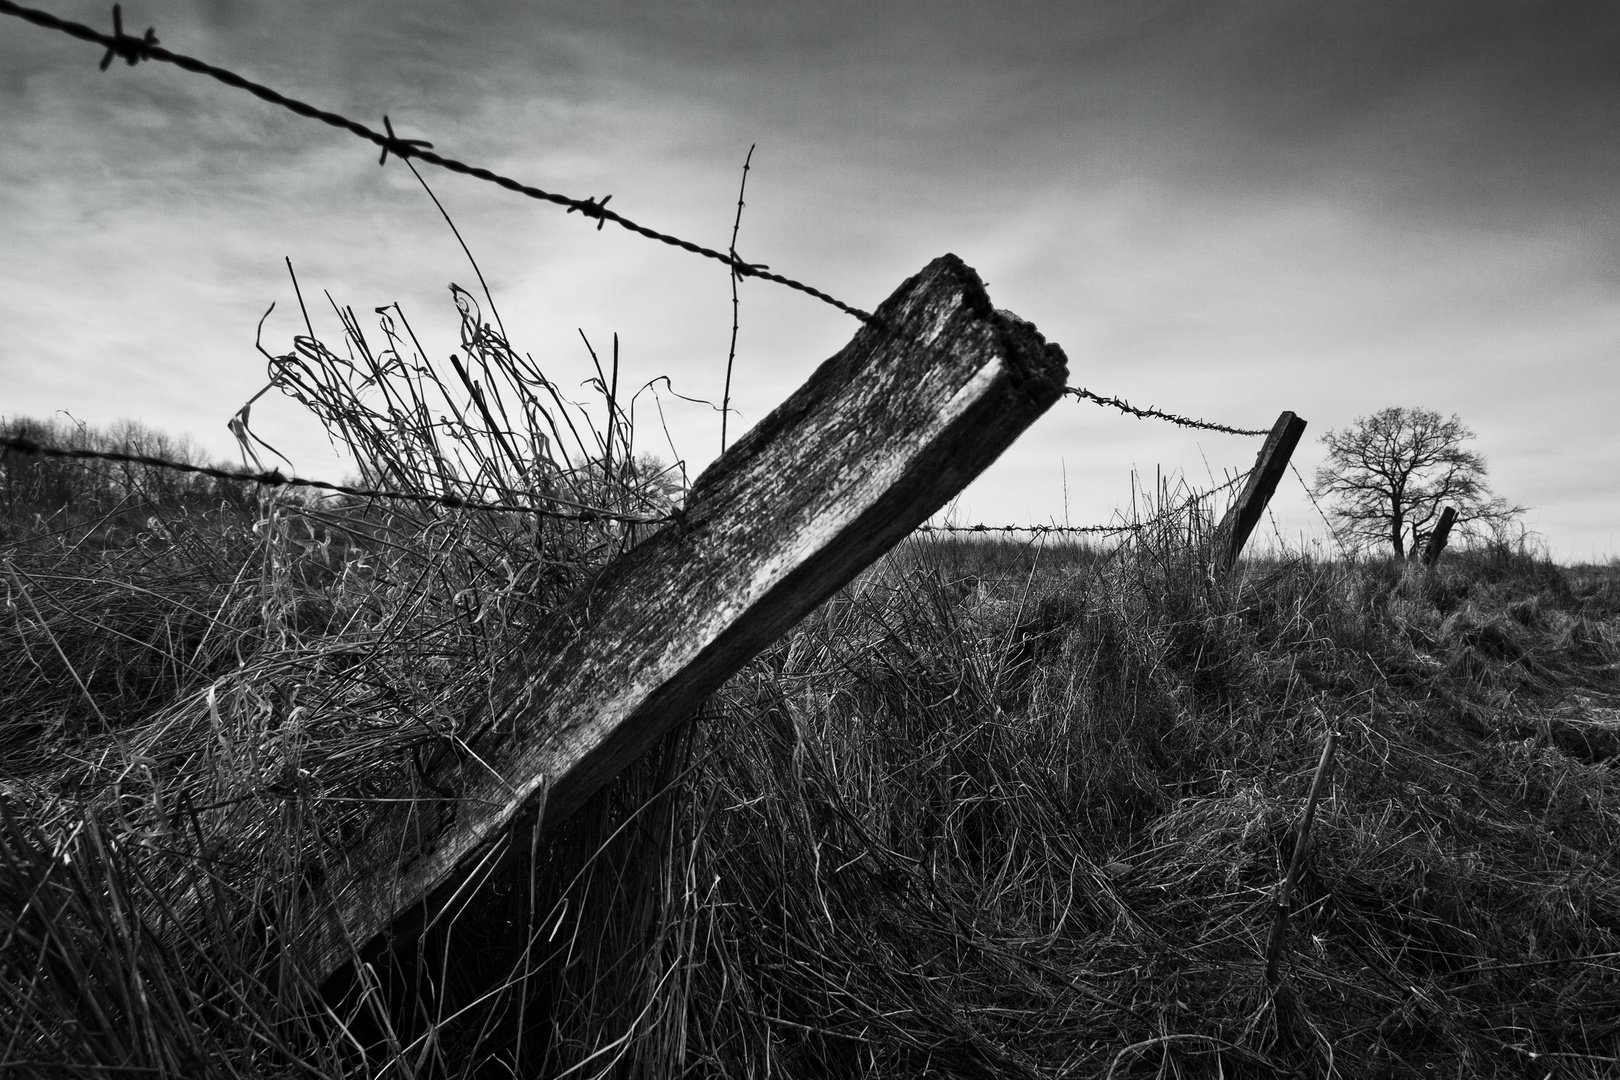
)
(1240, 521)
(1438, 538)
(885, 433)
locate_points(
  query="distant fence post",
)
(1438, 538)
(885, 433)
(1268, 470)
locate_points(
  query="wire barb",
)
(1080, 393)
(275, 478)
(132, 49)
(402, 148)
(593, 208)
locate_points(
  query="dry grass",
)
(994, 810)
(209, 685)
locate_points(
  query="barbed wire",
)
(275, 478)
(576, 512)
(135, 49)
(1134, 527)
(1034, 529)
(1311, 495)
(1080, 392)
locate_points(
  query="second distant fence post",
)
(1268, 469)
(1438, 538)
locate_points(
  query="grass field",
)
(995, 810)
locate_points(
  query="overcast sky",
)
(1224, 210)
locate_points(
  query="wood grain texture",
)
(1269, 466)
(881, 436)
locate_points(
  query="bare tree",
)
(1390, 474)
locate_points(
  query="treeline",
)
(114, 500)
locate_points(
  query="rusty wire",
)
(135, 49)
(275, 478)
(1080, 392)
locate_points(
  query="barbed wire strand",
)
(577, 511)
(1034, 529)
(1081, 393)
(1311, 495)
(275, 478)
(1135, 527)
(135, 49)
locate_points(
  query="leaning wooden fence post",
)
(1438, 538)
(885, 433)
(1268, 470)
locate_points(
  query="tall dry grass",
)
(207, 685)
(1035, 830)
